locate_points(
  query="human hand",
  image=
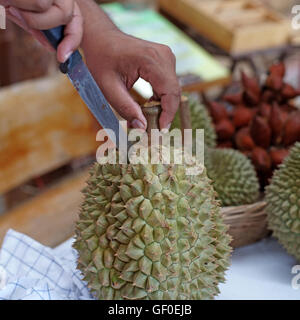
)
(35, 15)
(118, 60)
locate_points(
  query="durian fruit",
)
(200, 119)
(234, 177)
(283, 203)
(151, 232)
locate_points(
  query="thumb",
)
(120, 99)
(72, 36)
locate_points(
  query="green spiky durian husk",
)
(151, 232)
(200, 119)
(233, 175)
(283, 203)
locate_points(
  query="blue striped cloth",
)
(31, 271)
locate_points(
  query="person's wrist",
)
(98, 28)
(98, 36)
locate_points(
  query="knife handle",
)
(55, 36)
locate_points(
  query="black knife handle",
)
(55, 36)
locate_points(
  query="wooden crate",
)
(44, 125)
(237, 26)
(284, 7)
(49, 217)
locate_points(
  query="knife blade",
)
(85, 84)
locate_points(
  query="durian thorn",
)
(129, 298)
(171, 175)
(191, 194)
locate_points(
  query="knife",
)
(89, 91)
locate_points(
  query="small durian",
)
(283, 203)
(200, 119)
(233, 175)
(150, 231)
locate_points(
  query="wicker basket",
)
(247, 224)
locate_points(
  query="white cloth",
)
(32, 271)
(29, 270)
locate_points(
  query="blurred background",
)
(47, 136)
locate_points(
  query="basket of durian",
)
(252, 156)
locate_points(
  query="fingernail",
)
(16, 13)
(137, 124)
(166, 129)
(67, 56)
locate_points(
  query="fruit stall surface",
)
(261, 271)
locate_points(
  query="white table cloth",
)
(29, 270)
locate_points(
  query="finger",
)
(4, 3)
(170, 104)
(15, 16)
(118, 96)
(163, 80)
(18, 19)
(167, 89)
(32, 5)
(155, 97)
(61, 13)
(73, 36)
